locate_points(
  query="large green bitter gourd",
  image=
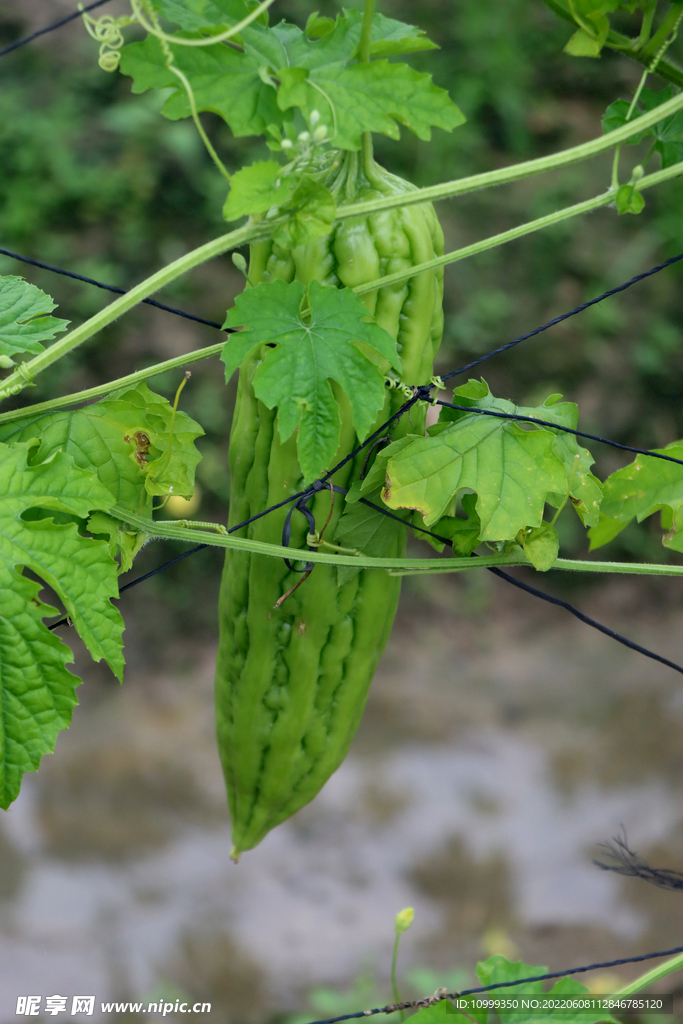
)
(292, 681)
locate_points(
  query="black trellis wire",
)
(440, 996)
(565, 316)
(556, 426)
(111, 287)
(50, 28)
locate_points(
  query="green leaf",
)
(256, 188)
(541, 546)
(374, 97)
(639, 490)
(497, 970)
(224, 81)
(37, 693)
(314, 69)
(312, 346)
(365, 529)
(316, 27)
(390, 37)
(513, 470)
(443, 1013)
(668, 133)
(629, 200)
(326, 41)
(311, 211)
(585, 491)
(24, 323)
(121, 542)
(581, 44)
(202, 15)
(124, 441)
(604, 531)
(616, 116)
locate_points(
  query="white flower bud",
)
(320, 133)
(304, 137)
(287, 144)
(314, 118)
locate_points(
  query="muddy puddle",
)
(502, 741)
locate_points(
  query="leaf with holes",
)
(24, 320)
(314, 342)
(124, 440)
(37, 693)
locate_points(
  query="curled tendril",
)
(168, 56)
(107, 32)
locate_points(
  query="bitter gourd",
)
(292, 681)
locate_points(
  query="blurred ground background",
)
(502, 739)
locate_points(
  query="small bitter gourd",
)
(292, 681)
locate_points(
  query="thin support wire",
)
(557, 426)
(50, 28)
(441, 996)
(112, 288)
(564, 316)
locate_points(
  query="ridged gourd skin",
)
(292, 682)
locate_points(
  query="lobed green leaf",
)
(513, 470)
(24, 323)
(313, 334)
(283, 67)
(41, 506)
(639, 490)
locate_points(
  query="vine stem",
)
(113, 385)
(505, 175)
(645, 980)
(171, 531)
(166, 49)
(234, 240)
(650, 69)
(625, 45)
(209, 40)
(524, 229)
(394, 979)
(364, 58)
(25, 372)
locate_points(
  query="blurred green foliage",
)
(95, 180)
